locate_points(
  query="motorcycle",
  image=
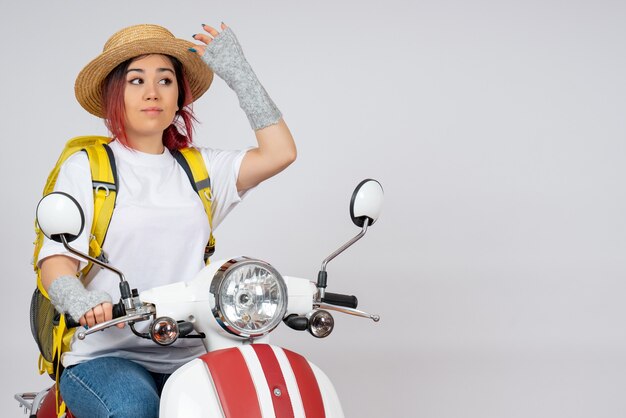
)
(232, 305)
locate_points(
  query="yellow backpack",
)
(47, 325)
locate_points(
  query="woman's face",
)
(150, 96)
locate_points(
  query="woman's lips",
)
(152, 110)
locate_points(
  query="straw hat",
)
(131, 42)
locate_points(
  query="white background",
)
(497, 130)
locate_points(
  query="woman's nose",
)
(151, 92)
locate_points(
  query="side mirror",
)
(365, 207)
(366, 202)
(59, 214)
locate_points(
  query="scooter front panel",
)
(250, 381)
(189, 393)
(285, 384)
(233, 383)
(270, 381)
(307, 382)
(332, 406)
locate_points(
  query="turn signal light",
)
(164, 331)
(321, 323)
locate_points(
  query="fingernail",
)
(204, 24)
(194, 35)
(192, 50)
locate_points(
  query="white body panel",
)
(189, 393)
(332, 406)
(300, 293)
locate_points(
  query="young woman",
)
(142, 85)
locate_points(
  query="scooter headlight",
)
(250, 297)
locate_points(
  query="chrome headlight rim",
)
(216, 289)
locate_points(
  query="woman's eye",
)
(166, 81)
(136, 81)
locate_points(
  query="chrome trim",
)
(92, 259)
(341, 249)
(346, 245)
(216, 287)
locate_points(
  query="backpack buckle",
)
(103, 257)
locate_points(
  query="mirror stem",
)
(125, 291)
(321, 278)
(93, 260)
(346, 245)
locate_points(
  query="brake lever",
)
(139, 315)
(349, 311)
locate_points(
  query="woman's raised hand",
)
(206, 38)
(223, 54)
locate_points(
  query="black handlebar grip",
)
(347, 301)
(70, 323)
(118, 311)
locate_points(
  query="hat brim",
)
(89, 83)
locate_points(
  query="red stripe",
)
(275, 380)
(307, 383)
(233, 382)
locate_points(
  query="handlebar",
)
(118, 312)
(338, 299)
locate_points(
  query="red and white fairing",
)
(250, 381)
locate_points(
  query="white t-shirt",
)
(157, 236)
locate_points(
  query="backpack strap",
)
(103, 173)
(192, 162)
(104, 181)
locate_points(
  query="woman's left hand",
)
(206, 38)
(223, 54)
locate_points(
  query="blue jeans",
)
(111, 387)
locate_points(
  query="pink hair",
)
(176, 136)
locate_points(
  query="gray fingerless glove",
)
(225, 57)
(68, 295)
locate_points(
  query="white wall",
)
(497, 129)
